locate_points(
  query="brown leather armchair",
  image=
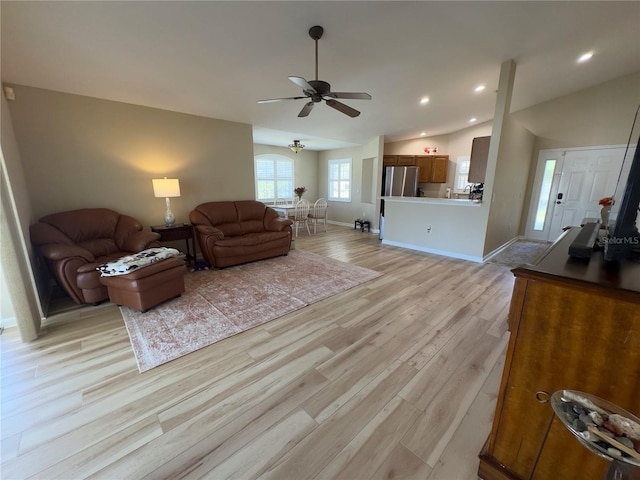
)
(74, 243)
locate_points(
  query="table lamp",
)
(167, 188)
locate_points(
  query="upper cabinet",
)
(424, 164)
(406, 161)
(439, 168)
(479, 156)
(390, 160)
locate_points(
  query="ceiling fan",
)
(317, 90)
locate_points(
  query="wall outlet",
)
(428, 229)
(9, 93)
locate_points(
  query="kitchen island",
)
(450, 227)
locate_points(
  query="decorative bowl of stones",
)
(601, 426)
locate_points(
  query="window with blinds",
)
(340, 180)
(462, 174)
(274, 177)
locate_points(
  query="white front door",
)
(586, 176)
(545, 188)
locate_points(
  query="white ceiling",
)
(216, 59)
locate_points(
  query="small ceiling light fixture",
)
(424, 100)
(473, 119)
(585, 57)
(296, 146)
(479, 88)
(423, 134)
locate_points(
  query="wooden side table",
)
(183, 231)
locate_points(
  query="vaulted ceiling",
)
(216, 59)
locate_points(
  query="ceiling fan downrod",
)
(316, 33)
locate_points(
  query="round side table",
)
(584, 414)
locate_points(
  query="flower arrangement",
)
(299, 191)
(606, 201)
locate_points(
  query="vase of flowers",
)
(605, 203)
(299, 191)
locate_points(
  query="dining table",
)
(285, 210)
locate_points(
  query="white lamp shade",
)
(166, 187)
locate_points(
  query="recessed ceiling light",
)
(424, 100)
(423, 134)
(473, 119)
(585, 57)
(479, 88)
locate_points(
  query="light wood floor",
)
(396, 378)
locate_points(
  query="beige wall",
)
(600, 115)
(507, 196)
(305, 167)
(85, 152)
(347, 212)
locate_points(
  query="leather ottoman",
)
(149, 286)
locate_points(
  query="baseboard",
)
(444, 253)
(495, 252)
(343, 224)
(6, 322)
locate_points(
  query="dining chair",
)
(301, 215)
(319, 212)
(281, 202)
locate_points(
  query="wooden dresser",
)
(574, 325)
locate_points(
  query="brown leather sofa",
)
(230, 233)
(74, 243)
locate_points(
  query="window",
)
(340, 180)
(462, 174)
(274, 177)
(545, 192)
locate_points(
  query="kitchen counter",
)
(461, 202)
(453, 227)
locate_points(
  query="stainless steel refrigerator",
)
(400, 182)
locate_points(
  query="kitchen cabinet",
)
(439, 168)
(478, 159)
(432, 168)
(406, 160)
(574, 325)
(424, 163)
(390, 160)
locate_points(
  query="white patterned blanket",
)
(129, 263)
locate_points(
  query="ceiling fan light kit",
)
(296, 146)
(318, 90)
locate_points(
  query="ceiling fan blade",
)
(302, 83)
(351, 95)
(269, 100)
(341, 107)
(306, 110)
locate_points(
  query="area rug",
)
(217, 304)
(520, 253)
